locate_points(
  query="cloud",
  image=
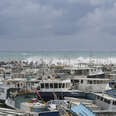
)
(101, 20)
(58, 24)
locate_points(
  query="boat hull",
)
(56, 113)
(60, 95)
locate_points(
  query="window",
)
(114, 102)
(60, 85)
(51, 85)
(76, 81)
(81, 81)
(55, 85)
(97, 81)
(107, 101)
(98, 97)
(63, 85)
(46, 85)
(90, 82)
(101, 82)
(101, 98)
(42, 85)
(94, 81)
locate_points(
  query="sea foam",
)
(71, 60)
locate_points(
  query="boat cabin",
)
(54, 85)
(90, 84)
(105, 101)
(90, 72)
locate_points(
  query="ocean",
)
(62, 57)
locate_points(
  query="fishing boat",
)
(106, 100)
(92, 81)
(57, 88)
(90, 84)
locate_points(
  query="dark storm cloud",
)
(57, 24)
(42, 17)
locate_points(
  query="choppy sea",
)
(60, 56)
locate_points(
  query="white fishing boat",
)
(93, 81)
(81, 69)
(57, 88)
(91, 84)
(107, 100)
(55, 85)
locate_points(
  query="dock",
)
(13, 112)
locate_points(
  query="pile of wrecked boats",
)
(53, 90)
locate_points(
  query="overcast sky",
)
(32, 25)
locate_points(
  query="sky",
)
(33, 25)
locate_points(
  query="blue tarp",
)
(81, 110)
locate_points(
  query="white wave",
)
(71, 60)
